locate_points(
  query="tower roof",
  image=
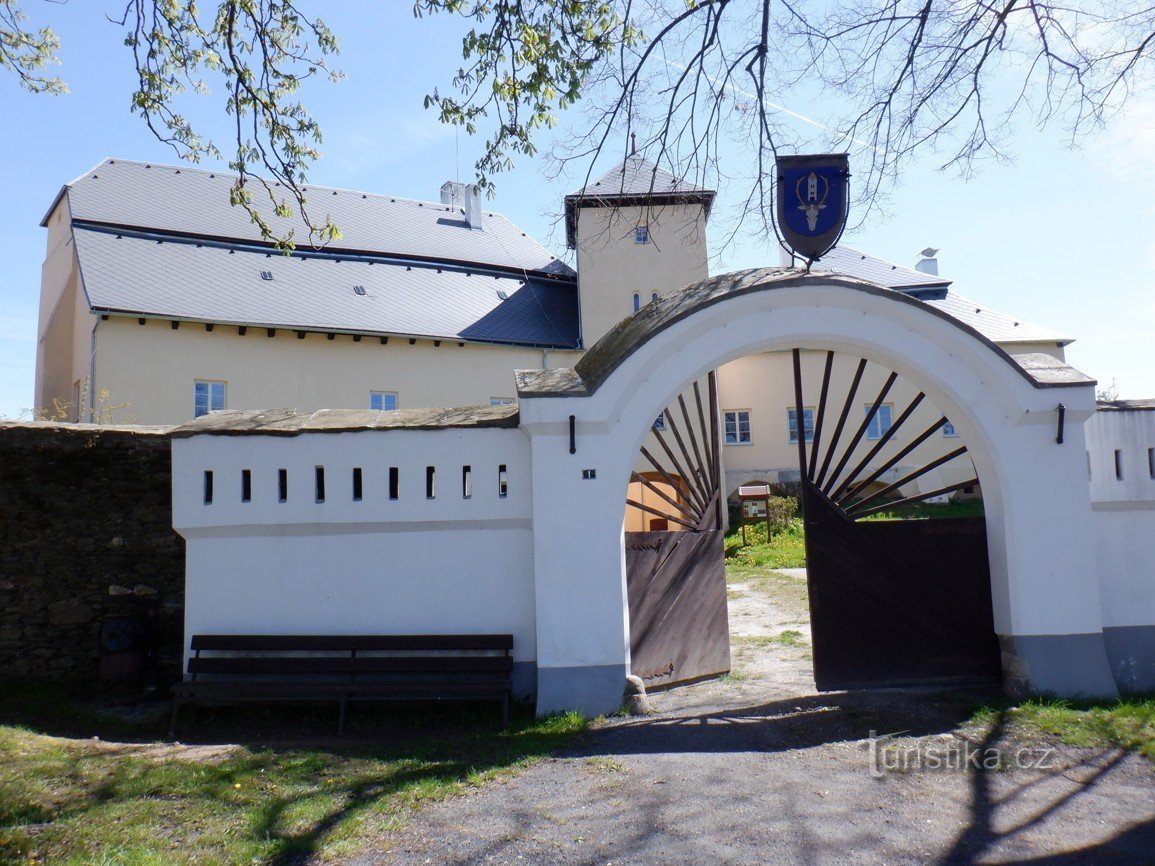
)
(635, 181)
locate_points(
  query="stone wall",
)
(91, 571)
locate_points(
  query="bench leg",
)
(341, 717)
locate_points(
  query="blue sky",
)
(1061, 237)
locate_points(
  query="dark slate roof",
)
(634, 181)
(142, 274)
(844, 260)
(190, 201)
(1146, 405)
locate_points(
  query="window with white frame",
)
(880, 423)
(500, 401)
(736, 423)
(637, 302)
(660, 422)
(653, 297)
(208, 396)
(948, 429)
(807, 424)
(383, 400)
(642, 235)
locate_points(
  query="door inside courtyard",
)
(832, 481)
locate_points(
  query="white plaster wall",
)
(1124, 514)
(1038, 511)
(414, 565)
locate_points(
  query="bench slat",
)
(346, 664)
(313, 642)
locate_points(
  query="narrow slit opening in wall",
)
(502, 482)
(466, 482)
(430, 482)
(320, 475)
(208, 487)
(392, 482)
(357, 484)
(1118, 465)
(246, 485)
(282, 485)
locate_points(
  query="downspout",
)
(545, 359)
(92, 370)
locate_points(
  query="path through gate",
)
(676, 579)
(897, 602)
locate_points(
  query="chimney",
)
(466, 197)
(928, 264)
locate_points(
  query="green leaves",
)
(26, 52)
(525, 63)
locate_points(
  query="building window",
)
(660, 422)
(384, 400)
(737, 425)
(207, 397)
(642, 235)
(637, 302)
(948, 429)
(880, 423)
(501, 401)
(653, 297)
(807, 424)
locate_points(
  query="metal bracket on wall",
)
(1062, 421)
(572, 435)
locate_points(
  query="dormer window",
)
(642, 235)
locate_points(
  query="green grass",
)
(1127, 724)
(789, 637)
(83, 801)
(785, 548)
(953, 508)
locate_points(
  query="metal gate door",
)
(676, 579)
(898, 602)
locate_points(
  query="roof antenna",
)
(633, 144)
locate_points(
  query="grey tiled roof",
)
(634, 178)
(995, 326)
(141, 275)
(195, 202)
(852, 263)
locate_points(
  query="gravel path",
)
(758, 768)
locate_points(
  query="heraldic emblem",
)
(813, 194)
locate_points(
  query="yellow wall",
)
(152, 368)
(611, 266)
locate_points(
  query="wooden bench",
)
(235, 668)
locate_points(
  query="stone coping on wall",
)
(1042, 371)
(66, 428)
(290, 422)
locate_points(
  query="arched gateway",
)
(1022, 421)
(508, 520)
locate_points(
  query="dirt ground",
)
(758, 768)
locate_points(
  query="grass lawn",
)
(785, 548)
(126, 798)
(1127, 724)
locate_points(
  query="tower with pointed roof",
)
(639, 232)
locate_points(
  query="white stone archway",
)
(1043, 581)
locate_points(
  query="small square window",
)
(807, 424)
(880, 423)
(208, 397)
(642, 235)
(383, 400)
(501, 401)
(737, 426)
(948, 429)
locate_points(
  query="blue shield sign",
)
(813, 195)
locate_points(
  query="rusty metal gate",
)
(676, 579)
(897, 602)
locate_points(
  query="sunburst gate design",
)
(813, 198)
